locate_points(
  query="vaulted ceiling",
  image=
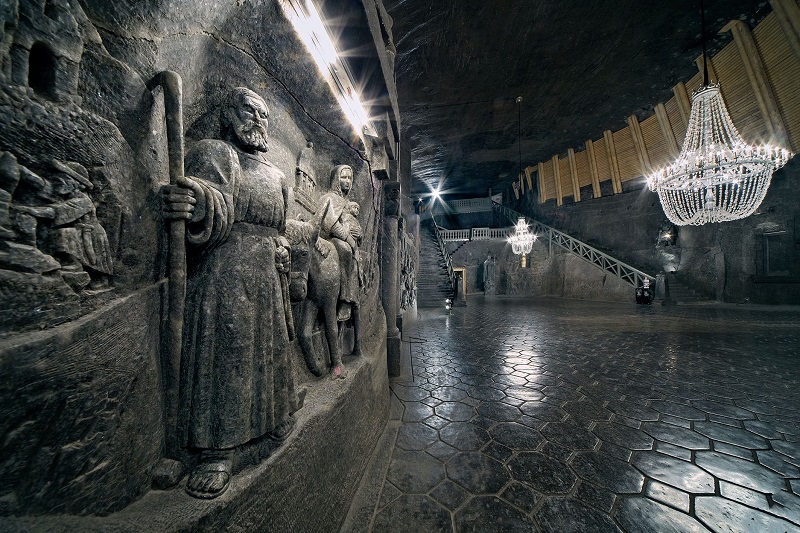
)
(581, 67)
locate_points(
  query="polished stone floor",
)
(566, 416)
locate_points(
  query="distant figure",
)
(488, 274)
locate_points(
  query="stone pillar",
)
(389, 272)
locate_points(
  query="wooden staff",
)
(172, 88)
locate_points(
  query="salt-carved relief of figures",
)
(63, 223)
(341, 228)
(236, 372)
(407, 277)
(305, 190)
(350, 220)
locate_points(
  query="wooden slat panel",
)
(676, 120)
(712, 74)
(601, 158)
(550, 186)
(582, 164)
(557, 180)
(666, 131)
(757, 75)
(573, 171)
(654, 140)
(738, 93)
(783, 72)
(788, 14)
(542, 183)
(566, 178)
(638, 143)
(627, 159)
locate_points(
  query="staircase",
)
(433, 281)
(680, 293)
(633, 276)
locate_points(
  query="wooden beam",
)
(712, 74)
(542, 192)
(638, 143)
(616, 182)
(684, 104)
(573, 170)
(557, 178)
(528, 172)
(666, 130)
(593, 169)
(788, 13)
(762, 89)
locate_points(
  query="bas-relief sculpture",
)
(334, 272)
(236, 376)
(408, 268)
(60, 222)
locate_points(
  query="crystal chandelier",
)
(522, 239)
(718, 176)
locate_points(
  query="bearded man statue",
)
(236, 375)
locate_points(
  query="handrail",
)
(469, 205)
(623, 271)
(476, 234)
(448, 261)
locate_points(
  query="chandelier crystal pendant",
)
(718, 176)
(522, 239)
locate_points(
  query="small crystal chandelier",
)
(522, 239)
(718, 176)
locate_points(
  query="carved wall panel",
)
(84, 269)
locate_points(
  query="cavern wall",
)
(85, 402)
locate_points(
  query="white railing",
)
(476, 234)
(443, 248)
(591, 255)
(455, 235)
(471, 205)
(491, 234)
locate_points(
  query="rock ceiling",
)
(581, 66)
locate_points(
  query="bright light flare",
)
(309, 27)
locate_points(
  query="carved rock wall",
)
(81, 411)
(80, 338)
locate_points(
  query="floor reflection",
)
(578, 416)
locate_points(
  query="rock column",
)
(389, 272)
